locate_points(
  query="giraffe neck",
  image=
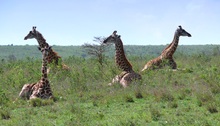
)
(44, 79)
(120, 57)
(41, 40)
(173, 46)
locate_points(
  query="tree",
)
(216, 51)
(96, 50)
(12, 58)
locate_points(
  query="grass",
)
(189, 96)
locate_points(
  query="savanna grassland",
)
(188, 96)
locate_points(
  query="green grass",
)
(189, 96)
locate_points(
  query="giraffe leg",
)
(172, 64)
(26, 91)
(33, 97)
(35, 93)
(117, 78)
(153, 64)
(129, 78)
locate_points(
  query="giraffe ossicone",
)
(128, 75)
(166, 57)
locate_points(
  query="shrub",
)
(129, 99)
(37, 102)
(138, 95)
(163, 95)
(155, 114)
(212, 108)
(3, 98)
(172, 105)
(5, 114)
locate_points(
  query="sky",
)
(139, 22)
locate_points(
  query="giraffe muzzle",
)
(189, 35)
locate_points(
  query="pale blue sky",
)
(139, 22)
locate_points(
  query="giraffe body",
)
(40, 89)
(128, 75)
(166, 57)
(53, 57)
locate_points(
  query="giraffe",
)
(128, 75)
(53, 56)
(40, 89)
(167, 53)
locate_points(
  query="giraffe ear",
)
(50, 47)
(119, 36)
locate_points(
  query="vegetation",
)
(95, 50)
(149, 51)
(188, 96)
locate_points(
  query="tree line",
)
(97, 50)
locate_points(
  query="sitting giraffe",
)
(167, 54)
(40, 89)
(53, 56)
(128, 74)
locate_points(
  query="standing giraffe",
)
(128, 74)
(167, 53)
(53, 56)
(40, 89)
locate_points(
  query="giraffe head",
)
(113, 38)
(32, 34)
(181, 32)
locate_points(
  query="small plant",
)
(37, 102)
(155, 114)
(188, 70)
(204, 98)
(100, 115)
(138, 95)
(129, 99)
(167, 97)
(163, 95)
(199, 102)
(95, 103)
(215, 89)
(5, 114)
(173, 105)
(182, 96)
(212, 108)
(3, 97)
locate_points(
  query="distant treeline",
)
(20, 52)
